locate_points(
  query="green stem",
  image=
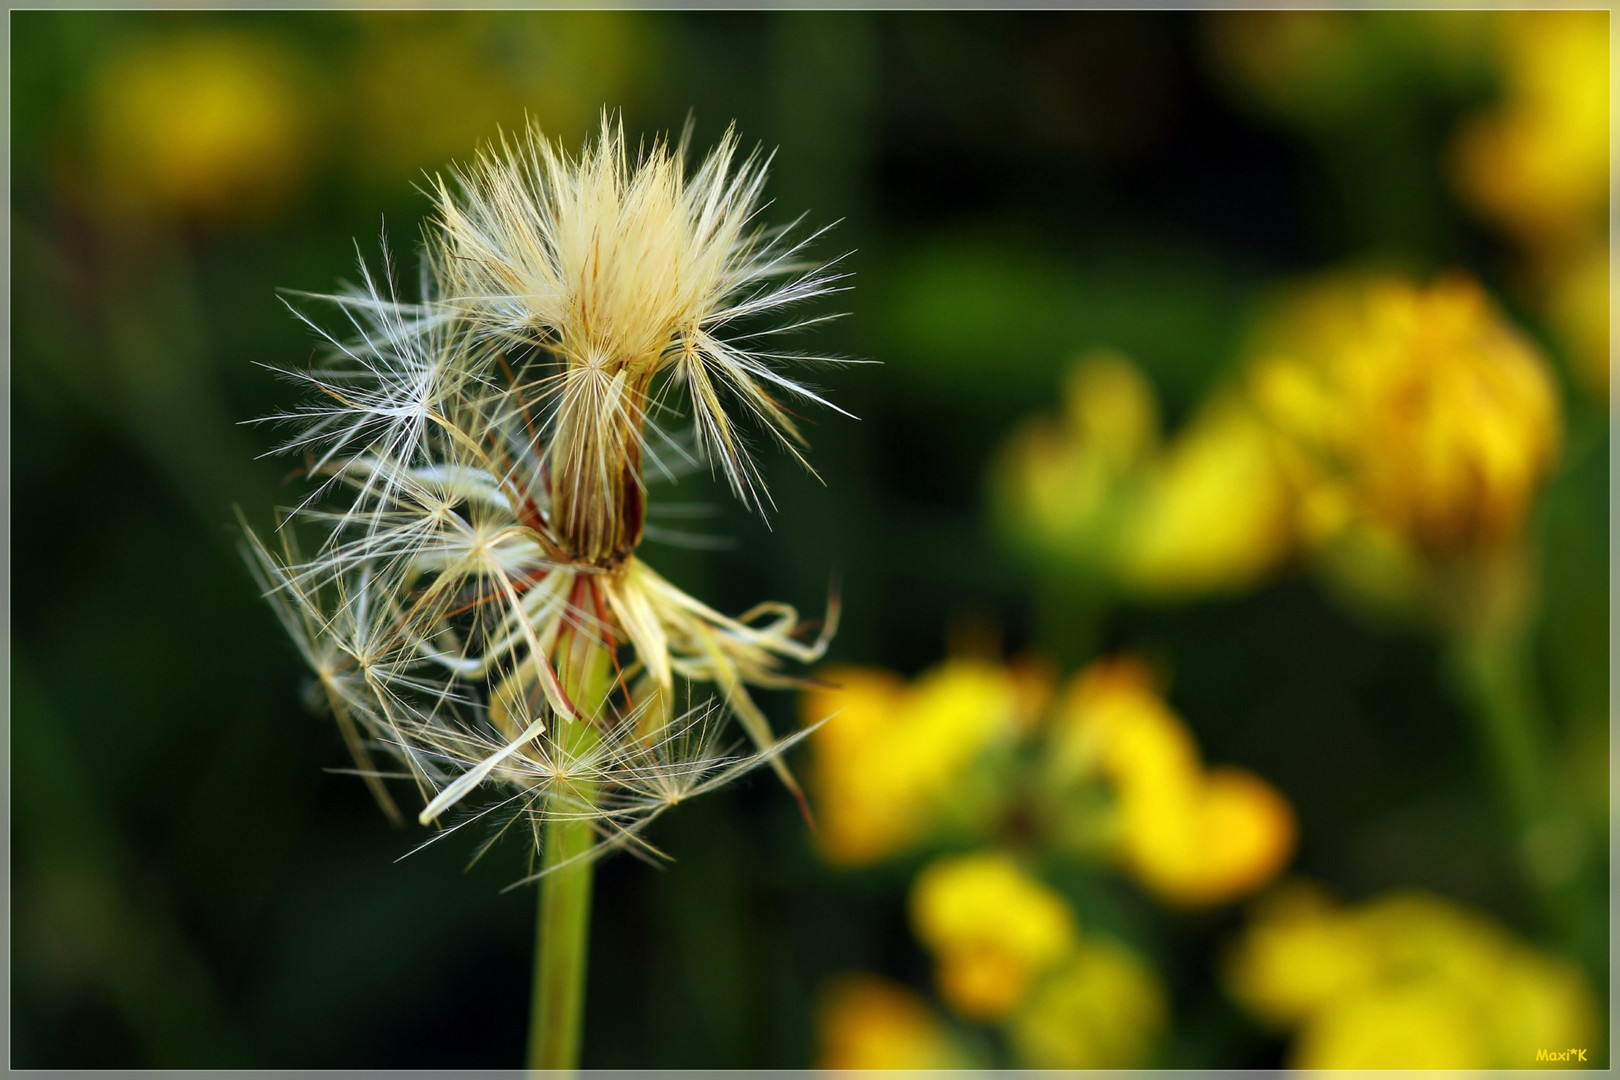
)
(1497, 675)
(564, 917)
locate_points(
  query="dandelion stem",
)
(564, 916)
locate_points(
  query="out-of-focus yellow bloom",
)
(1407, 980)
(1539, 163)
(1242, 831)
(1062, 480)
(1580, 313)
(1416, 410)
(213, 125)
(1415, 1026)
(1536, 162)
(1215, 514)
(1095, 490)
(1296, 956)
(1382, 427)
(1111, 720)
(1193, 837)
(992, 928)
(868, 1022)
(890, 763)
(1104, 1008)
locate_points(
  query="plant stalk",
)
(562, 929)
(1498, 677)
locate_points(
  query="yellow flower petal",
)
(867, 1022)
(1103, 1009)
(888, 759)
(993, 928)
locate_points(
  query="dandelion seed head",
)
(619, 271)
(476, 458)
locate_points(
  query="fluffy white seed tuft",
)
(477, 459)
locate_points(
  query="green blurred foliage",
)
(191, 889)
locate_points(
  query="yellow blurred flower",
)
(1104, 1008)
(214, 125)
(1194, 837)
(1407, 980)
(888, 766)
(993, 929)
(1579, 312)
(1535, 162)
(1061, 481)
(1381, 427)
(1415, 410)
(1414, 1026)
(1539, 162)
(1296, 956)
(868, 1022)
(1215, 513)
(1094, 489)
